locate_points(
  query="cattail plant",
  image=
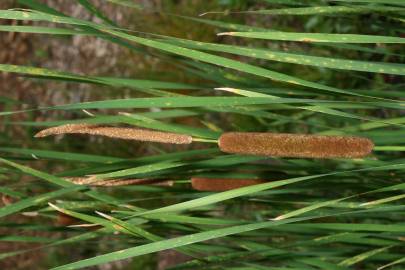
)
(118, 133)
(294, 145)
(221, 184)
(247, 143)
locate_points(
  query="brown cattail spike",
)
(221, 184)
(294, 145)
(118, 132)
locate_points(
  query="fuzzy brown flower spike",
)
(295, 145)
(118, 133)
(221, 184)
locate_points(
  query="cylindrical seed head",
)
(118, 133)
(221, 184)
(294, 145)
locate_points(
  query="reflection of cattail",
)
(66, 220)
(294, 145)
(221, 184)
(118, 132)
(92, 181)
(7, 200)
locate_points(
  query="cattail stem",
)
(204, 140)
(118, 133)
(294, 145)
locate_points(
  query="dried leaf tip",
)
(226, 34)
(227, 89)
(118, 133)
(294, 145)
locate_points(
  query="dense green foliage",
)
(319, 67)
